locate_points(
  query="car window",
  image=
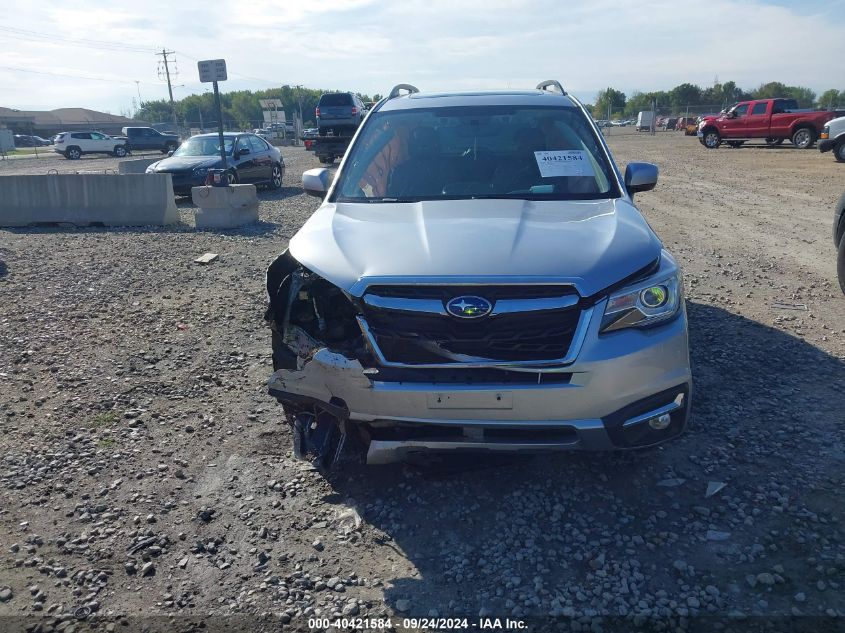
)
(81, 135)
(257, 144)
(452, 153)
(741, 110)
(336, 99)
(243, 143)
(148, 133)
(204, 146)
(759, 108)
(97, 136)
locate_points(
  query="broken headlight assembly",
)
(649, 302)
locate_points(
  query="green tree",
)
(685, 95)
(831, 98)
(609, 100)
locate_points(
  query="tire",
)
(119, 151)
(276, 177)
(712, 139)
(839, 151)
(735, 144)
(840, 264)
(804, 138)
(73, 153)
(774, 142)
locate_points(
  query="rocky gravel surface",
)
(147, 479)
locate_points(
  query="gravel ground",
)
(145, 472)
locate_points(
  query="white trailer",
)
(645, 119)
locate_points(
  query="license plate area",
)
(470, 400)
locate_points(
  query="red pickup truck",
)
(771, 119)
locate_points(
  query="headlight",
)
(200, 171)
(825, 132)
(652, 301)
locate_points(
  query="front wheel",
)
(803, 138)
(119, 151)
(839, 151)
(712, 139)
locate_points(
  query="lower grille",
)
(413, 338)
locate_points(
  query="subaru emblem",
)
(468, 307)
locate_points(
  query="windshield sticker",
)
(571, 162)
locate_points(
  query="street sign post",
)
(212, 71)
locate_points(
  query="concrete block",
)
(225, 207)
(135, 165)
(83, 199)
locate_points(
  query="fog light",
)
(660, 422)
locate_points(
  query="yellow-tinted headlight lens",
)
(654, 297)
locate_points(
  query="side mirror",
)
(243, 151)
(170, 152)
(316, 182)
(640, 177)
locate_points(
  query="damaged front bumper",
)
(627, 389)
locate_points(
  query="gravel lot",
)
(144, 470)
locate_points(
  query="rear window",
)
(336, 99)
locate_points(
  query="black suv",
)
(339, 113)
(138, 138)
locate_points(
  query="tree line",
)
(716, 97)
(241, 108)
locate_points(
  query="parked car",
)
(24, 140)
(478, 277)
(73, 145)
(833, 138)
(766, 119)
(250, 159)
(689, 125)
(671, 123)
(42, 141)
(148, 138)
(839, 240)
(339, 113)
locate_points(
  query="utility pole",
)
(164, 53)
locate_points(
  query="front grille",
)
(417, 338)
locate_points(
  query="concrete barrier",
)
(225, 207)
(83, 199)
(135, 166)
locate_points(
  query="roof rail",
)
(395, 92)
(553, 83)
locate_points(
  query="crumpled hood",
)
(181, 163)
(591, 244)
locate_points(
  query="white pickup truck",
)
(833, 138)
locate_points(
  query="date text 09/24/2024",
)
(480, 624)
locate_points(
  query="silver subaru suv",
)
(477, 278)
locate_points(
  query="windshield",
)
(453, 153)
(204, 146)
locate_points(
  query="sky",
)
(101, 55)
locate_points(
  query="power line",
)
(44, 72)
(36, 36)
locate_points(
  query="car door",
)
(734, 127)
(101, 143)
(244, 160)
(757, 120)
(262, 157)
(82, 140)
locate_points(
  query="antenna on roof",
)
(551, 83)
(407, 87)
